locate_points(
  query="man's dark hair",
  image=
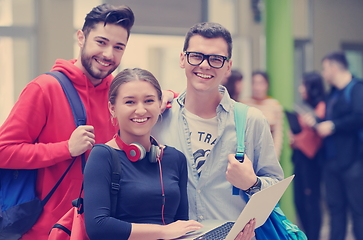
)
(315, 89)
(209, 30)
(338, 57)
(108, 14)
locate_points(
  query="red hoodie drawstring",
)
(89, 116)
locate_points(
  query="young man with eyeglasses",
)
(201, 125)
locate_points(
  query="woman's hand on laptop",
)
(248, 231)
(179, 228)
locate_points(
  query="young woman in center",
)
(152, 201)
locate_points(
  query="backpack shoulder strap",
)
(115, 180)
(348, 95)
(78, 110)
(79, 113)
(46, 199)
(115, 177)
(240, 119)
(348, 90)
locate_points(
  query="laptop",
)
(259, 207)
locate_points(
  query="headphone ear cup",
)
(135, 152)
(153, 157)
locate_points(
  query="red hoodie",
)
(35, 136)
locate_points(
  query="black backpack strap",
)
(63, 228)
(45, 200)
(79, 114)
(78, 110)
(115, 177)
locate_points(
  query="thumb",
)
(232, 158)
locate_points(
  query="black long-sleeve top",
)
(344, 146)
(140, 196)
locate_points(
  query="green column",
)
(280, 67)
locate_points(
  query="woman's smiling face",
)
(137, 108)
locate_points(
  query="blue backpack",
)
(20, 207)
(277, 226)
(348, 97)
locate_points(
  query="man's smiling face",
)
(102, 50)
(204, 77)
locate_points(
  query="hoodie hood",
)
(77, 76)
(94, 98)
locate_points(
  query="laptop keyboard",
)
(218, 233)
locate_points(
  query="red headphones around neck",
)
(136, 152)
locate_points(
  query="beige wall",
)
(253, 33)
(335, 21)
(248, 44)
(300, 19)
(55, 32)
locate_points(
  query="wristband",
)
(255, 187)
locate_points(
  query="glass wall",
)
(355, 59)
(354, 54)
(160, 55)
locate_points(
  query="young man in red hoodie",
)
(40, 133)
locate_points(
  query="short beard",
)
(87, 64)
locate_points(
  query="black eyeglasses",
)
(196, 58)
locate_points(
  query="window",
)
(160, 55)
(354, 54)
(7, 83)
(17, 20)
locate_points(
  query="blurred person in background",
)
(270, 107)
(234, 84)
(342, 147)
(306, 156)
